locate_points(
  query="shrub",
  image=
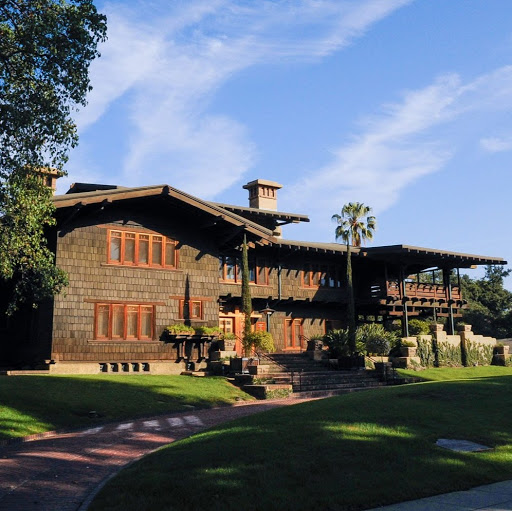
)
(228, 336)
(375, 338)
(408, 344)
(426, 352)
(337, 342)
(418, 327)
(180, 329)
(259, 341)
(207, 330)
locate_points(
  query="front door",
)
(293, 334)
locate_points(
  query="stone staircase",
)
(298, 376)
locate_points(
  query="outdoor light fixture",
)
(268, 312)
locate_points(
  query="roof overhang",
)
(410, 255)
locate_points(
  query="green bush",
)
(180, 329)
(338, 343)
(259, 341)
(477, 354)
(418, 327)
(448, 355)
(375, 338)
(207, 330)
(426, 352)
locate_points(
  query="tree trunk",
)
(351, 304)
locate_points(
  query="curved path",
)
(62, 472)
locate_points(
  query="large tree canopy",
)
(490, 304)
(46, 47)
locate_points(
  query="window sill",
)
(134, 267)
(229, 282)
(123, 341)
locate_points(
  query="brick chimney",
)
(263, 194)
(49, 177)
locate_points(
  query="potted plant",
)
(179, 329)
(258, 341)
(207, 331)
(227, 342)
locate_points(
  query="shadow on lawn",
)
(33, 404)
(352, 452)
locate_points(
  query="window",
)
(230, 270)
(191, 309)
(141, 249)
(124, 321)
(320, 276)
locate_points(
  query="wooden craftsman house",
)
(140, 259)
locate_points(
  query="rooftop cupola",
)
(263, 194)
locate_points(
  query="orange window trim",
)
(111, 317)
(152, 240)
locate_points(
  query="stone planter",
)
(227, 344)
(501, 350)
(407, 351)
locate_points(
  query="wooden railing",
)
(414, 290)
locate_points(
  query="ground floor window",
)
(124, 321)
(191, 309)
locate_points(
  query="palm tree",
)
(355, 225)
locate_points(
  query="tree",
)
(355, 225)
(489, 303)
(246, 292)
(46, 47)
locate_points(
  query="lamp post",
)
(268, 312)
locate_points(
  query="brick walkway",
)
(61, 472)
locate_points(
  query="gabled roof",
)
(109, 195)
(277, 215)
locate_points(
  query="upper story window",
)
(230, 270)
(321, 276)
(141, 249)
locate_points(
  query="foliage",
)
(476, 354)
(207, 330)
(375, 338)
(180, 329)
(228, 336)
(448, 355)
(418, 327)
(258, 341)
(405, 343)
(46, 47)
(338, 342)
(246, 290)
(355, 225)
(425, 351)
(490, 304)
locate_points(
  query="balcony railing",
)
(414, 290)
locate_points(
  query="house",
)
(142, 258)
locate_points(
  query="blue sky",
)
(403, 105)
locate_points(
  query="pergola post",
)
(405, 319)
(448, 285)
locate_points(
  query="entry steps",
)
(299, 376)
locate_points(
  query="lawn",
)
(349, 452)
(34, 404)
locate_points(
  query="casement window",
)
(320, 276)
(124, 321)
(293, 333)
(230, 270)
(141, 249)
(191, 309)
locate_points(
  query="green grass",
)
(457, 373)
(355, 451)
(34, 404)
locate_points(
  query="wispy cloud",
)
(402, 144)
(496, 144)
(168, 65)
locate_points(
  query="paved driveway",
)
(62, 472)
